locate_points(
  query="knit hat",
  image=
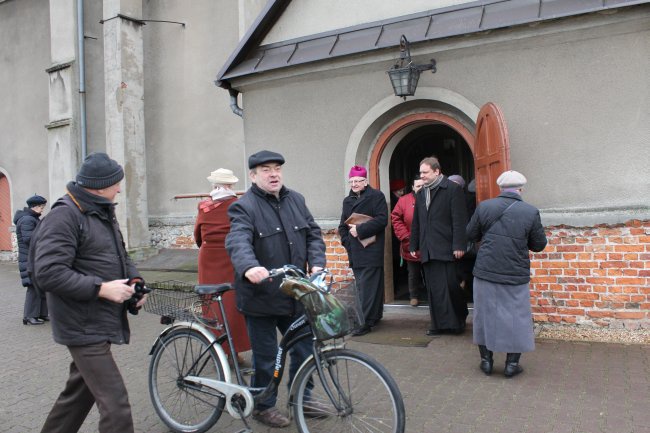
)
(397, 184)
(98, 171)
(223, 176)
(264, 156)
(456, 178)
(358, 171)
(511, 179)
(35, 200)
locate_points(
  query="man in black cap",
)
(26, 220)
(270, 226)
(80, 260)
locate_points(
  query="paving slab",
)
(567, 387)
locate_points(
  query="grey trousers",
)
(94, 378)
(35, 303)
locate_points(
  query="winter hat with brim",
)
(36, 200)
(511, 180)
(99, 171)
(223, 176)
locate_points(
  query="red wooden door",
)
(5, 214)
(491, 150)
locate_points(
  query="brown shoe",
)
(271, 417)
(414, 302)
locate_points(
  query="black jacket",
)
(503, 255)
(440, 230)
(78, 246)
(271, 232)
(370, 202)
(26, 221)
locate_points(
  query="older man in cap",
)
(80, 260)
(270, 226)
(507, 228)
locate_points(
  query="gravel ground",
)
(584, 333)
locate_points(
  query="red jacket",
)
(402, 218)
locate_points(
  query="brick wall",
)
(594, 276)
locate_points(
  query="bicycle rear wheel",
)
(369, 398)
(182, 406)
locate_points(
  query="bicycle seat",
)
(211, 289)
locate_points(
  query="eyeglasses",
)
(353, 181)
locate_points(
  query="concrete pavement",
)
(566, 387)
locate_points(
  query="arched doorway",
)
(5, 214)
(412, 138)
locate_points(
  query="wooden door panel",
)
(492, 150)
(5, 215)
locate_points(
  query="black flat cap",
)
(264, 156)
(36, 200)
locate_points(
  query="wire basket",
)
(173, 299)
(329, 316)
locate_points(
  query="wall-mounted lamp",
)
(405, 78)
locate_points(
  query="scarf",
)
(220, 192)
(429, 189)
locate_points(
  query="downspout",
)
(82, 77)
(233, 103)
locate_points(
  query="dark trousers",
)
(94, 378)
(263, 334)
(447, 307)
(415, 278)
(35, 303)
(370, 292)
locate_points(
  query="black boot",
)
(486, 360)
(512, 365)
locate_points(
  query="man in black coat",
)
(270, 226)
(366, 258)
(26, 220)
(438, 232)
(507, 228)
(79, 259)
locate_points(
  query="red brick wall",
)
(594, 276)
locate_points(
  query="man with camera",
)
(79, 259)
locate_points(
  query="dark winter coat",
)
(503, 255)
(26, 221)
(370, 202)
(271, 232)
(440, 230)
(78, 246)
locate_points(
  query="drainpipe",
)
(233, 103)
(82, 77)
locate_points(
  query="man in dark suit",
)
(438, 232)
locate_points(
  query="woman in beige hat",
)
(212, 226)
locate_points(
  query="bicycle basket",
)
(173, 299)
(328, 316)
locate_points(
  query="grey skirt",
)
(503, 320)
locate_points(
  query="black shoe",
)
(361, 331)
(512, 365)
(32, 321)
(433, 332)
(486, 360)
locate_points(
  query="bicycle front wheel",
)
(183, 406)
(365, 398)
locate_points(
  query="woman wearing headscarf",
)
(212, 226)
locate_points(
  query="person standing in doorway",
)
(438, 232)
(270, 226)
(364, 218)
(402, 219)
(80, 260)
(507, 228)
(210, 231)
(26, 220)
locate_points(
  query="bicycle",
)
(190, 380)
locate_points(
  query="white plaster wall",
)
(308, 17)
(24, 57)
(575, 95)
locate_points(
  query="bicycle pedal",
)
(247, 371)
(246, 430)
